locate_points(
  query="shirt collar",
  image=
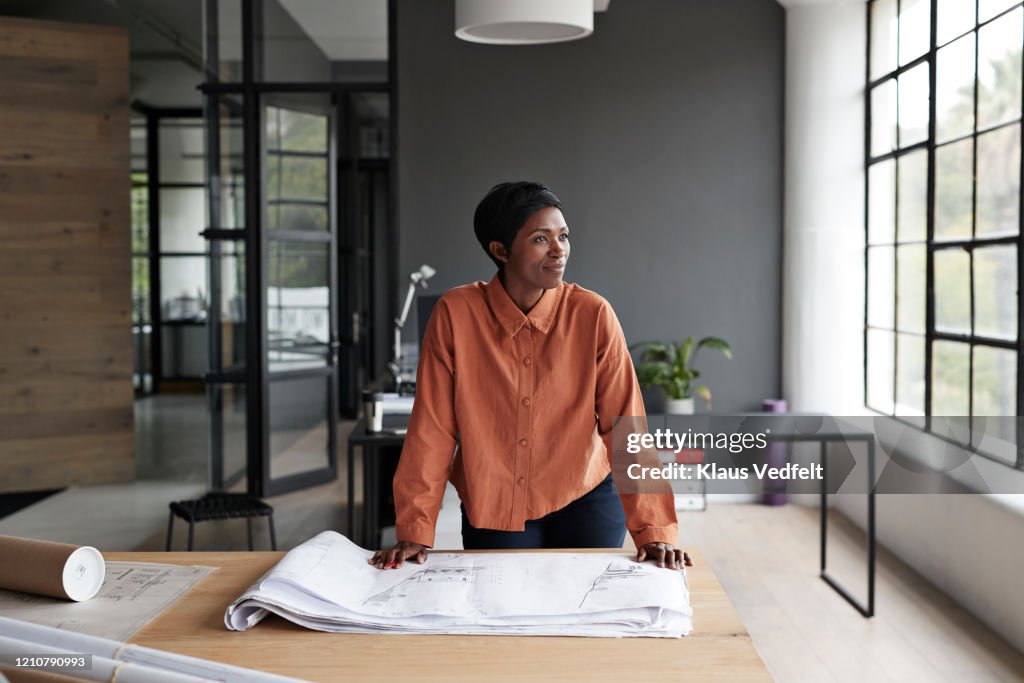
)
(511, 318)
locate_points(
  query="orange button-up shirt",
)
(516, 410)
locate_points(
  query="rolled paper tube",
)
(59, 570)
(36, 676)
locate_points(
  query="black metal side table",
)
(371, 443)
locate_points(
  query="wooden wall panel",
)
(65, 275)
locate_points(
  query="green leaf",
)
(704, 393)
(655, 351)
(716, 343)
(685, 351)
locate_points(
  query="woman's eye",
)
(541, 239)
(564, 237)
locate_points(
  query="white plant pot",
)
(679, 406)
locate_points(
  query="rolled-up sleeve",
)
(426, 460)
(650, 517)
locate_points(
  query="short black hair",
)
(505, 209)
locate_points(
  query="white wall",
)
(823, 225)
(967, 545)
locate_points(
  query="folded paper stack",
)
(327, 585)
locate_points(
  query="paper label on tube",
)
(83, 573)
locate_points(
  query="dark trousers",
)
(594, 520)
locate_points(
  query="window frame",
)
(969, 244)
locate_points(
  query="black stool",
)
(221, 506)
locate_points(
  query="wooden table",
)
(720, 649)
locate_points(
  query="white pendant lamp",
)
(523, 22)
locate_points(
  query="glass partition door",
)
(300, 272)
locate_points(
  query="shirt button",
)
(522, 442)
(522, 480)
(527, 361)
(526, 402)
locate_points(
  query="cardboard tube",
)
(59, 570)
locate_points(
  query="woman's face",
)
(539, 251)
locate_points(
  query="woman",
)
(521, 378)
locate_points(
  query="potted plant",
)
(670, 366)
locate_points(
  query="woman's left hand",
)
(665, 554)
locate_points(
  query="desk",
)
(720, 649)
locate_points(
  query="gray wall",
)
(662, 135)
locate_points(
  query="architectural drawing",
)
(401, 591)
(616, 571)
(327, 584)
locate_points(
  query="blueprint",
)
(326, 584)
(132, 594)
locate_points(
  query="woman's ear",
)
(498, 250)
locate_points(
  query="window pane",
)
(298, 410)
(883, 37)
(883, 118)
(285, 216)
(950, 365)
(228, 40)
(954, 86)
(913, 106)
(230, 293)
(995, 292)
(303, 132)
(999, 70)
(228, 412)
(913, 196)
(995, 394)
(182, 218)
(881, 347)
(995, 381)
(183, 289)
(953, 291)
(999, 182)
(953, 190)
(298, 304)
(182, 151)
(910, 374)
(910, 303)
(915, 29)
(881, 297)
(140, 290)
(290, 177)
(989, 8)
(954, 18)
(227, 178)
(137, 145)
(140, 214)
(882, 203)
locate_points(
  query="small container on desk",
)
(373, 411)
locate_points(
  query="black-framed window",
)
(142, 320)
(942, 328)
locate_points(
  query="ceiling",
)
(353, 30)
(166, 36)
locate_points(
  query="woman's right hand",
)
(396, 557)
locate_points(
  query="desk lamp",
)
(417, 277)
